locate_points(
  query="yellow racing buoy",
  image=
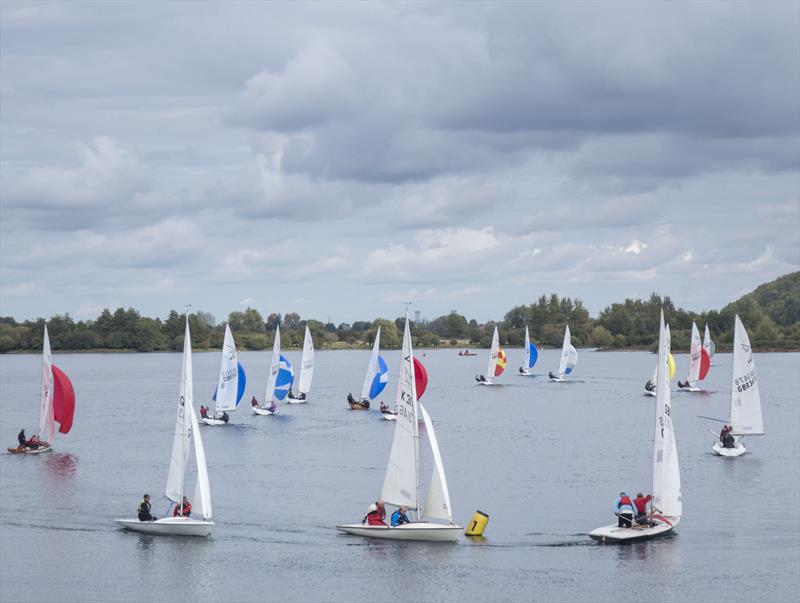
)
(477, 524)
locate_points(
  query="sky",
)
(341, 159)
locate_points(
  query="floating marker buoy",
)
(477, 524)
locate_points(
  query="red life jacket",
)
(625, 500)
(641, 504)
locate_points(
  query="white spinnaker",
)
(666, 471)
(694, 355)
(47, 425)
(401, 484)
(493, 353)
(527, 363)
(437, 503)
(707, 342)
(202, 489)
(306, 364)
(274, 367)
(372, 369)
(228, 382)
(180, 438)
(562, 364)
(746, 418)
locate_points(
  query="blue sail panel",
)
(534, 355)
(380, 380)
(242, 378)
(284, 379)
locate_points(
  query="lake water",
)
(544, 460)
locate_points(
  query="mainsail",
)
(227, 393)
(493, 354)
(746, 418)
(694, 355)
(274, 367)
(306, 364)
(569, 355)
(183, 426)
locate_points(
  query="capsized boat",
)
(666, 505)
(186, 438)
(745, 414)
(271, 393)
(230, 384)
(401, 483)
(569, 358)
(531, 356)
(56, 403)
(497, 362)
(306, 372)
(375, 380)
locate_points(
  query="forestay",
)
(306, 364)
(746, 418)
(666, 471)
(401, 484)
(437, 502)
(493, 354)
(226, 395)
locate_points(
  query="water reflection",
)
(61, 465)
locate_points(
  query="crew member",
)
(624, 509)
(144, 509)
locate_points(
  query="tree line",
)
(771, 315)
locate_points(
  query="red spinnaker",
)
(63, 400)
(420, 378)
(705, 363)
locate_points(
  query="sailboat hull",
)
(208, 421)
(737, 450)
(169, 526)
(295, 401)
(525, 374)
(649, 393)
(389, 416)
(485, 383)
(29, 450)
(556, 379)
(613, 534)
(262, 411)
(420, 530)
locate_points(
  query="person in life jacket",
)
(34, 443)
(640, 502)
(23, 441)
(143, 511)
(650, 386)
(551, 375)
(376, 513)
(480, 378)
(185, 506)
(399, 517)
(726, 437)
(624, 509)
(203, 412)
(253, 402)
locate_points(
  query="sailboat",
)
(695, 360)
(56, 403)
(270, 393)
(569, 358)
(401, 483)
(746, 418)
(306, 371)
(230, 385)
(421, 384)
(186, 436)
(650, 386)
(666, 505)
(531, 356)
(497, 362)
(374, 381)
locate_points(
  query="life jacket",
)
(625, 500)
(641, 504)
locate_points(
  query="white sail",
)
(493, 353)
(202, 491)
(306, 364)
(666, 471)
(572, 359)
(707, 342)
(437, 503)
(274, 367)
(228, 382)
(694, 355)
(183, 426)
(372, 369)
(565, 352)
(527, 362)
(47, 425)
(401, 484)
(746, 416)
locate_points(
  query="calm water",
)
(544, 460)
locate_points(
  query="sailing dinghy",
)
(374, 381)
(531, 356)
(274, 377)
(497, 362)
(695, 363)
(306, 372)
(185, 438)
(230, 385)
(745, 417)
(56, 404)
(401, 483)
(569, 359)
(666, 505)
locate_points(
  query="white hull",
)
(262, 411)
(169, 526)
(689, 389)
(525, 374)
(422, 530)
(556, 380)
(29, 450)
(212, 422)
(295, 401)
(648, 393)
(738, 450)
(389, 416)
(485, 383)
(612, 534)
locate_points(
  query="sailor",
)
(522, 370)
(624, 510)
(399, 517)
(683, 384)
(350, 398)
(253, 402)
(185, 506)
(23, 441)
(384, 407)
(726, 437)
(203, 412)
(640, 502)
(302, 396)
(650, 386)
(272, 406)
(225, 416)
(34, 443)
(144, 509)
(480, 378)
(376, 513)
(551, 375)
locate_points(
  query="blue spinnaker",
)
(284, 379)
(534, 355)
(380, 380)
(242, 376)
